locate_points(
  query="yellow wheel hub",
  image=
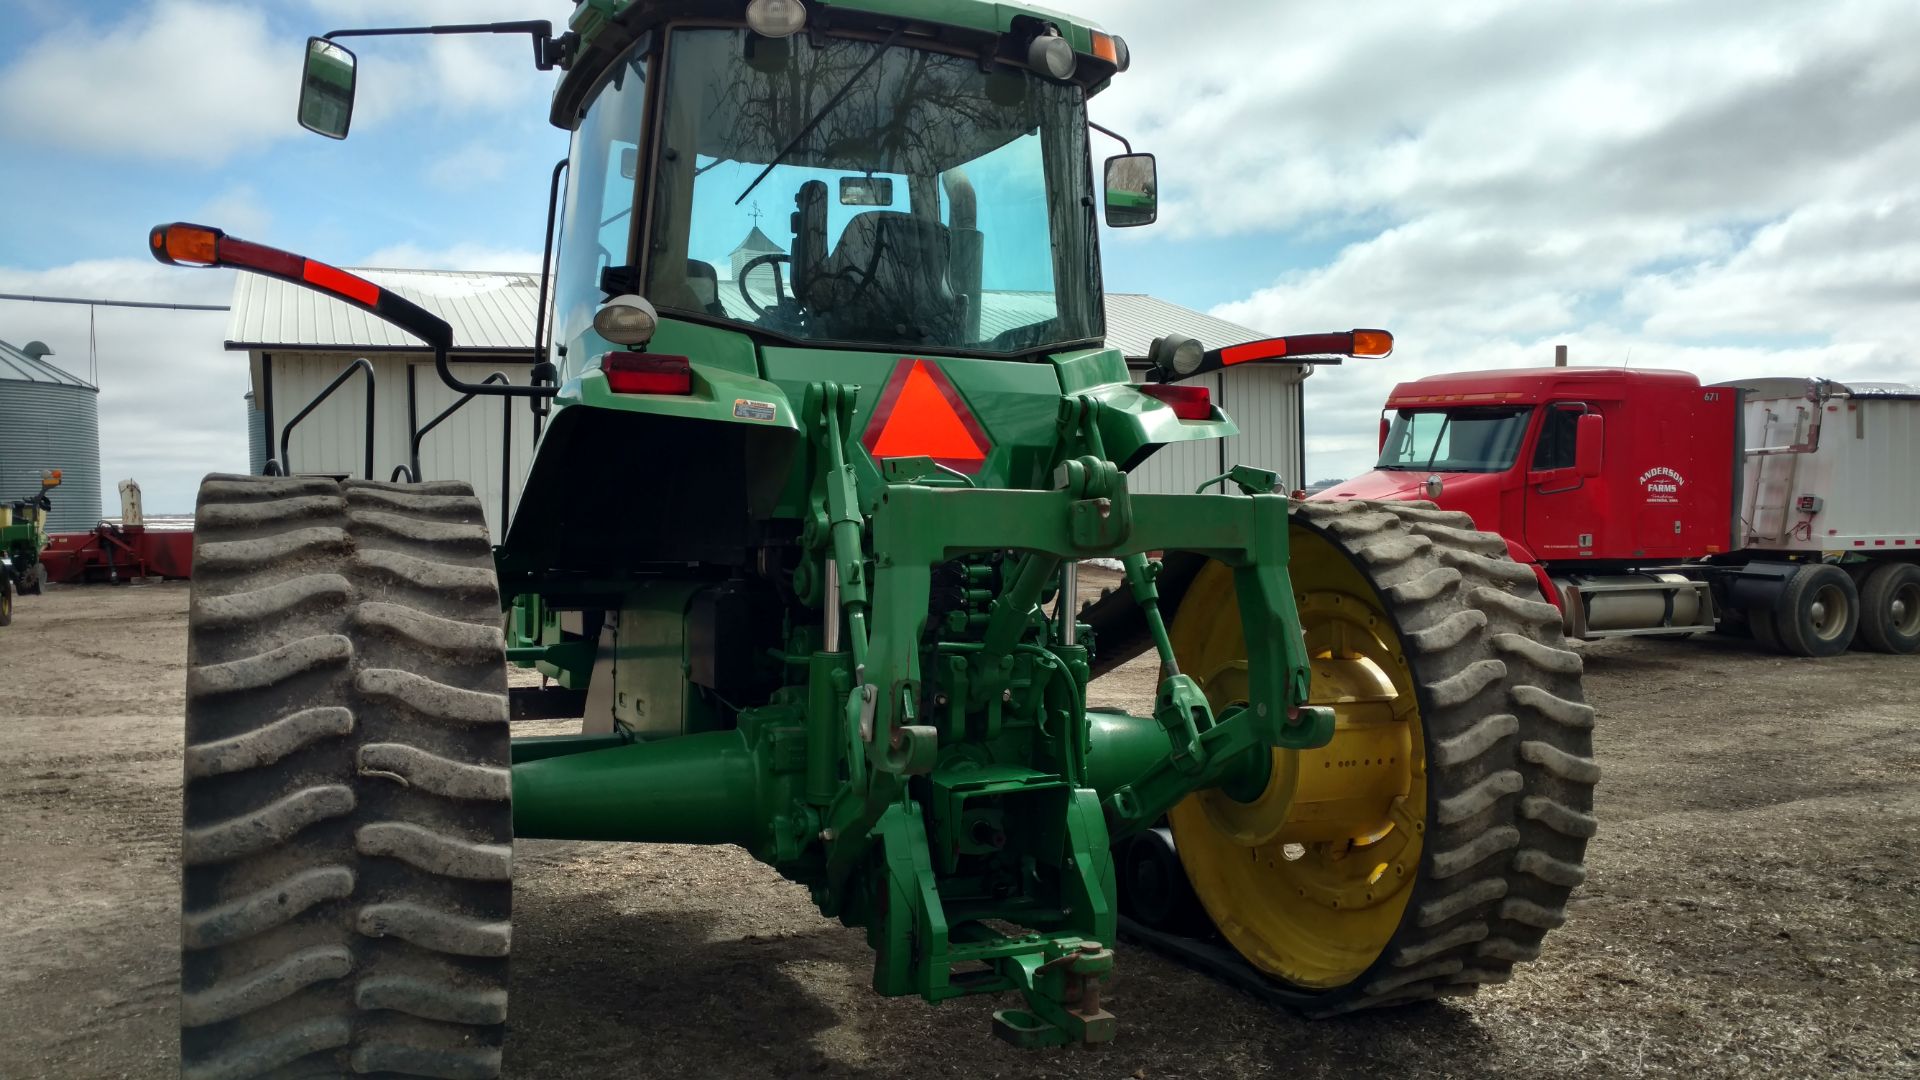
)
(1310, 880)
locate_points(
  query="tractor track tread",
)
(1449, 631)
(459, 506)
(435, 852)
(346, 831)
(266, 552)
(249, 833)
(268, 743)
(253, 515)
(261, 671)
(277, 601)
(1494, 680)
(265, 908)
(1520, 607)
(1478, 798)
(439, 931)
(464, 1063)
(1561, 819)
(436, 775)
(431, 999)
(427, 575)
(1575, 767)
(263, 1054)
(254, 990)
(451, 638)
(452, 535)
(1486, 734)
(1563, 661)
(430, 698)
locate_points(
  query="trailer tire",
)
(1890, 608)
(1817, 612)
(347, 831)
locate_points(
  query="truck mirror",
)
(1133, 191)
(326, 89)
(1588, 435)
(1385, 426)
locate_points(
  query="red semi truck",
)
(1648, 503)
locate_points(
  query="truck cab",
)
(1601, 466)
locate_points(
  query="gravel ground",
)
(1753, 907)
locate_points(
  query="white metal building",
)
(298, 341)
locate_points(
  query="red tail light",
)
(1187, 402)
(647, 373)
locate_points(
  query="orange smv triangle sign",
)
(920, 414)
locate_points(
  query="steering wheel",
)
(773, 259)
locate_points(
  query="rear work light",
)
(1187, 402)
(647, 373)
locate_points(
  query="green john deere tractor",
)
(23, 536)
(799, 544)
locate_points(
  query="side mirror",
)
(326, 89)
(1385, 426)
(1588, 435)
(1133, 191)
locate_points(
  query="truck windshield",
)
(1455, 440)
(865, 194)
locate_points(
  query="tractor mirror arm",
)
(1294, 348)
(548, 51)
(182, 244)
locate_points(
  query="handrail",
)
(506, 442)
(286, 433)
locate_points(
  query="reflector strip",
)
(337, 281)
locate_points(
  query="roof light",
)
(776, 18)
(627, 320)
(1051, 55)
(647, 373)
(1371, 344)
(1187, 402)
(1176, 356)
(1113, 50)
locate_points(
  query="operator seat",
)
(887, 280)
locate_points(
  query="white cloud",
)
(170, 395)
(198, 81)
(184, 81)
(1724, 187)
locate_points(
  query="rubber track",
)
(347, 836)
(1510, 767)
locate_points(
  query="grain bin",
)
(49, 420)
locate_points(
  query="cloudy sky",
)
(1728, 187)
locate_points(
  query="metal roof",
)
(17, 366)
(489, 312)
(494, 311)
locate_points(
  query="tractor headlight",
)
(1051, 55)
(776, 18)
(627, 320)
(1176, 355)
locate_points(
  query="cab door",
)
(1565, 513)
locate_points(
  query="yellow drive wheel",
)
(1404, 859)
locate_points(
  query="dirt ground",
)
(1753, 907)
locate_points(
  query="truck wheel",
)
(347, 835)
(1817, 612)
(1890, 608)
(1434, 842)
